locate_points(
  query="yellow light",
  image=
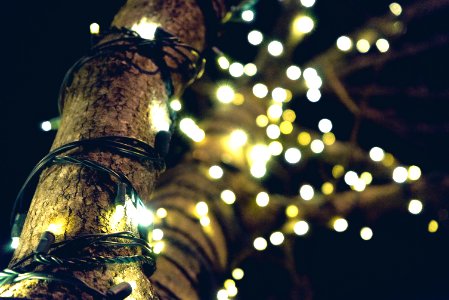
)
(202, 208)
(313, 95)
(160, 117)
(274, 111)
(292, 211)
(161, 213)
(116, 217)
(205, 221)
(260, 244)
(328, 138)
(317, 146)
(363, 46)
(277, 238)
(250, 69)
(414, 173)
(415, 206)
(286, 127)
(289, 115)
(216, 172)
(279, 94)
(258, 170)
(145, 28)
(433, 226)
(238, 138)
(293, 72)
(158, 247)
(307, 3)
(247, 15)
(56, 228)
(366, 177)
(304, 138)
(388, 160)
(327, 188)
(157, 234)
(325, 125)
(15, 241)
(228, 196)
(238, 274)
(275, 48)
(382, 45)
(344, 43)
(94, 28)
(292, 155)
(262, 199)
(262, 120)
(301, 227)
(260, 90)
(225, 94)
(176, 105)
(366, 233)
(223, 62)
(222, 295)
(376, 154)
(400, 174)
(351, 178)
(236, 69)
(239, 99)
(306, 192)
(255, 37)
(395, 8)
(275, 148)
(337, 171)
(340, 224)
(302, 25)
(273, 131)
(229, 283)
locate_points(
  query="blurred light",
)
(229, 285)
(205, 221)
(286, 127)
(228, 196)
(415, 206)
(46, 126)
(306, 192)
(277, 238)
(289, 115)
(225, 94)
(314, 95)
(176, 105)
(337, 171)
(223, 62)
(238, 138)
(307, 3)
(222, 295)
(414, 173)
(310, 73)
(317, 146)
(260, 152)
(382, 45)
(273, 131)
(262, 199)
(314, 82)
(236, 69)
(302, 25)
(260, 90)
(366, 233)
(351, 178)
(388, 160)
(161, 213)
(279, 94)
(250, 69)
(328, 138)
(58, 228)
(260, 244)
(363, 46)
(400, 174)
(145, 28)
(247, 15)
(275, 48)
(292, 211)
(158, 247)
(216, 172)
(292, 155)
(293, 72)
(275, 148)
(301, 228)
(304, 138)
(395, 8)
(433, 226)
(255, 37)
(145, 216)
(327, 188)
(15, 241)
(340, 225)
(94, 28)
(258, 170)
(157, 234)
(359, 185)
(202, 208)
(376, 154)
(325, 125)
(238, 274)
(366, 177)
(274, 111)
(262, 120)
(344, 43)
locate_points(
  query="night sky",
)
(42, 39)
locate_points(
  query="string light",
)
(301, 227)
(236, 69)
(289, 115)
(189, 127)
(238, 274)
(376, 154)
(222, 295)
(223, 62)
(176, 105)
(15, 241)
(228, 196)
(275, 48)
(275, 148)
(250, 69)
(366, 233)
(329, 138)
(161, 213)
(145, 28)
(292, 155)
(340, 224)
(215, 172)
(94, 28)
(325, 125)
(344, 43)
(260, 90)
(307, 3)
(302, 25)
(382, 45)
(293, 72)
(274, 111)
(338, 171)
(273, 131)
(314, 82)
(317, 146)
(313, 95)
(262, 120)
(286, 127)
(292, 211)
(262, 199)
(415, 206)
(279, 94)
(225, 93)
(310, 73)
(327, 188)
(260, 244)
(277, 238)
(363, 45)
(433, 226)
(359, 185)
(351, 178)
(400, 174)
(395, 8)
(306, 192)
(205, 221)
(238, 138)
(201, 208)
(46, 126)
(366, 177)
(56, 228)
(255, 37)
(157, 234)
(247, 15)
(304, 138)
(414, 173)
(258, 170)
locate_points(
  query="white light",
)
(15, 242)
(46, 126)
(400, 174)
(274, 111)
(260, 243)
(216, 172)
(262, 199)
(415, 206)
(363, 45)
(273, 131)
(161, 213)
(351, 178)
(158, 247)
(359, 185)
(317, 146)
(314, 82)
(395, 8)
(306, 192)
(260, 153)
(228, 196)
(275, 48)
(301, 228)
(260, 90)
(382, 45)
(236, 69)
(247, 15)
(414, 173)
(222, 295)
(238, 274)
(307, 3)
(176, 105)
(255, 37)
(157, 234)
(303, 24)
(292, 155)
(376, 154)
(310, 73)
(366, 233)
(160, 117)
(238, 138)
(275, 148)
(344, 43)
(279, 94)
(258, 170)
(314, 95)
(145, 28)
(223, 62)
(94, 28)
(202, 208)
(325, 125)
(250, 69)
(277, 238)
(144, 216)
(340, 225)
(205, 221)
(225, 94)
(293, 72)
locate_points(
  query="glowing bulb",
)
(158, 247)
(228, 196)
(292, 155)
(225, 94)
(238, 138)
(247, 15)
(433, 226)
(279, 94)
(344, 43)
(310, 73)
(223, 62)
(301, 227)
(293, 72)
(302, 25)
(327, 188)
(262, 199)
(366, 177)
(415, 206)
(363, 46)
(328, 138)
(250, 69)
(275, 148)
(15, 241)
(382, 45)
(313, 95)
(274, 111)
(222, 295)
(359, 185)
(232, 291)
(260, 244)
(366, 233)
(317, 146)
(161, 213)
(325, 125)
(205, 221)
(176, 105)
(236, 69)
(277, 238)
(144, 216)
(400, 174)
(340, 225)
(255, 37)
(273, 131)
(306, 192)
(262, 120)
(275, 48)
(238, 274)
(258, 170)
(395, 8)
(157, 234)
(292, 211)
(307, 3)
(260, 90)
(46, 126)
(56, 228)
(351, 178)
(314, 83)
(145, 28)
(94, 28)
(286, 127)
(338, 170)
(260, 153)
(414, 173)
(376, 154)
(304, 138)
(202, 208)
(216, 172)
